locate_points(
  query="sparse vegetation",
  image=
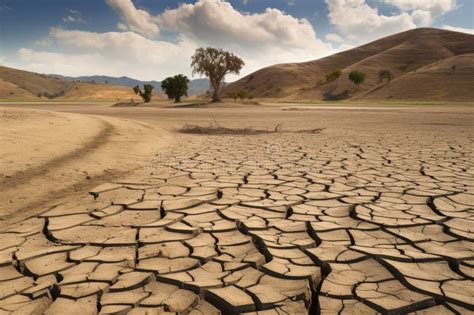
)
(215, 64)
(175, 87)
(240, 95)
(51, 95)
(146, 93)
(334, 76)
(216, 129)
(357, 77)
(232, 95)
(385, 74)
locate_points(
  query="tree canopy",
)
(175, 87)
(146, 93)
(215, 63)
(357, 77)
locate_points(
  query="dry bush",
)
(219, 130)
(216, 129)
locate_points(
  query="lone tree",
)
(175, 87)
(385, 74)
(334, 76)
(215, 64)
(357, 77)
(146, 94)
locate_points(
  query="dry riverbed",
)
(371, 214)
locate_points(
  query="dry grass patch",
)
(216, 129)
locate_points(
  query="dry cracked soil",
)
(372, 215)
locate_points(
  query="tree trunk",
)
(177, 99)
(215, 98)
(215, 94)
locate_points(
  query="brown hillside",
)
(401, 53)
(19, 84)
(9, 91)
(437, 81)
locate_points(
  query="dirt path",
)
(48, 155)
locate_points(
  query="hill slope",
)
(437, 81)
(196, 86)
(19, 84)
(402, 53)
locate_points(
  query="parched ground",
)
(374, 214)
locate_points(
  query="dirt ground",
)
(373, 214)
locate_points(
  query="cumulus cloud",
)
(359, 22)
(218, 22)
(424, 12)
(332, 37)
(261, 39)
(134, 19)
(114, 54)
(459, 29)
(436, 7)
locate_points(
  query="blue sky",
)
(152, 39)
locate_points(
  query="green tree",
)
(385, 74)
(146, 93)
(215, 64)
(357, 77)
(175, 87)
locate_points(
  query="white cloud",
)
(436, 7)
(261, 39)
(332, 37)
(216, 21)
(359, 22)
(424, 12)
(459, 29)
(134, 19)
(113, 53)
(74, 16)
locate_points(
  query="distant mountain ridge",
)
(196, 86)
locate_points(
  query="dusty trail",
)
(46, 156)
(355, 219)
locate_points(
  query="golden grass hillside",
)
(404, 53)
(19, 84)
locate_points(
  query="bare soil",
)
(372, 214)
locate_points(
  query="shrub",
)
(336, 74)
(357, 77)
(385, 74)
(146, 94)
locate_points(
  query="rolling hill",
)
(19, 84)
(427, 64)
(196, 86)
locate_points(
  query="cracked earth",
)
(269, 224)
